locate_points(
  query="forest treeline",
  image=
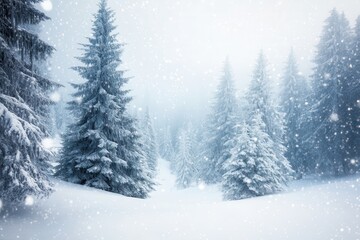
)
(252, 146)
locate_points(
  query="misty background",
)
(174, 50)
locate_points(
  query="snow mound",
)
(308, 210)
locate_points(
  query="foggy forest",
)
(190, 119)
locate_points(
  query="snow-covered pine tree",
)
(220, 127)
(307, 129)
(149, 141)
(353, 100)
(330, 84)
(40, 66)
(252, 169)
(198, 145)
(294, 95)
(59, 120)
(166, 146)
(24, 102)
(102, 148)
(185, 168)
(260, 100)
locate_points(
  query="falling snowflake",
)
(29, 201)
(48, 143)
(327, 76)
(334, 117)
(47, 5)
(55, 97)
(201, 186)
(78, 100)
(247, 180)
(1, 204)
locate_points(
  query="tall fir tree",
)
(197, 135)
(149, 140)
(102, 148)
(24, 103)
(252, 169)
(185, 166)
(330, 111)
(294, 96)
(166, 146)
(220, 129)
(260, 100)
(353, 100)
(59, 121)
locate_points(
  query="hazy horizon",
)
(175, 50)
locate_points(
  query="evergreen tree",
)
(24, 103)
(102, 148)
(59, 113)
(198, 146)
(185, 167)
(353, 101)
(150, 147)
(294, 96)
(166, 146)
(252, 169)
(220, 130)
(306, 127)
(330, 83)
(260, 100)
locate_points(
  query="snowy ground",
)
(308, 210)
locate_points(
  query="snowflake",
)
(46, 5)
(48, 143)
(55, 97)
(327, 76)
(334, 117)
(1, 204)
(247, 180)
(29, 201)
(201, 186)
(353, 161)
(78, 100)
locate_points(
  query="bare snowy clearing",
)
(308, 210)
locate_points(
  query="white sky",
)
(175, 49)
